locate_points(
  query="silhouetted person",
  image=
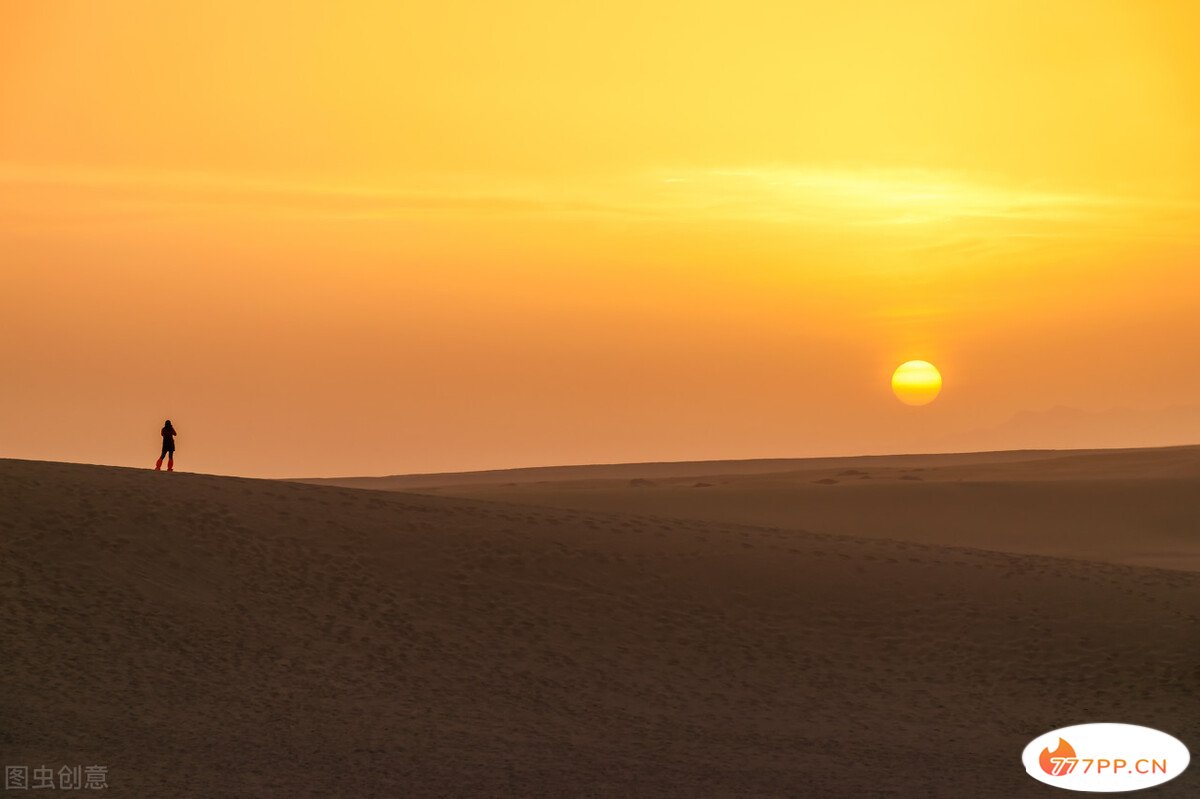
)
(168, 450)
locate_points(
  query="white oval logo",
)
(1105, 758)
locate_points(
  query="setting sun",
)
(916, 382)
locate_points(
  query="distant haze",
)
(1072, 428)
(377, 238)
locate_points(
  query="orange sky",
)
(382, 237)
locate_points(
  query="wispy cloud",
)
(883, 198)
(938, 210)
(130, 189)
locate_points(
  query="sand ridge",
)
(1136, 507)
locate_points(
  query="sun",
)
(916, 382)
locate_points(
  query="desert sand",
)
(223, 637)
(1136, 506)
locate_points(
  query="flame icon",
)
(1060, 768)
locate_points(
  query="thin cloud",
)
(943, 210)
(178, 189)
(894, 198)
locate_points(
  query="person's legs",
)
(161, 455)
(170, 460)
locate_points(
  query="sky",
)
(377, 237)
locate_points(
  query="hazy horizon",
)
(1091, 431)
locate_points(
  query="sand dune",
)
(223, 637)
(674, 469)
(1137, 507)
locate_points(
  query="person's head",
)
(167, 423)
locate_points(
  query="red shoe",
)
(170, 464)
(158, 465)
